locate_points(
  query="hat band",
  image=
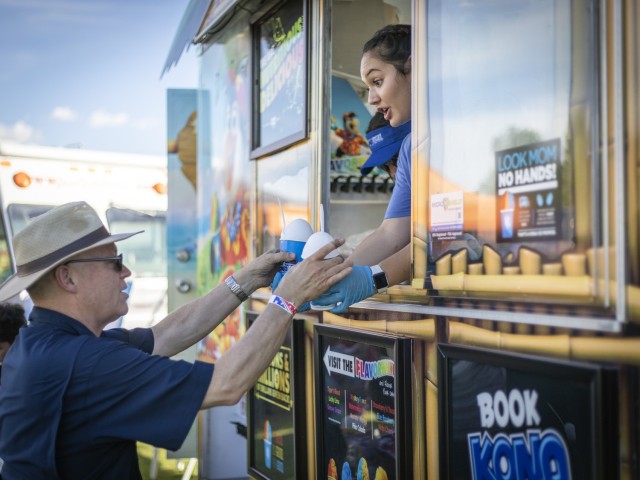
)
(42, 263)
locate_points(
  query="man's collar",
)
(44, 316)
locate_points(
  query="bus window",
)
(20, 215)
(145, 253)
(5, 258)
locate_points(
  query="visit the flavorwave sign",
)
(361, 383)
(514, 417)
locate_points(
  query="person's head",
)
(386, 70)
(66, 259)
(12, 319)
(385, 142)
(350, 122)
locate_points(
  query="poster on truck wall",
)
(349, 123)
(362, 388)
(276, 412)
(182, 230)
(281, 89)
(223, 213)
(224, 179)
(528, 192)
(524, 417)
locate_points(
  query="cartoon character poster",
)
(223, 178)
(182, 231)
(181, 215)
(349, 121)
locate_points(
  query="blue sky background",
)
(87, 72)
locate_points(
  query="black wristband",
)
(380, 281)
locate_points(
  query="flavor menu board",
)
(524, 417)
(276, 439)
(360, 385)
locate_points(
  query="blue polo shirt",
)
(400, 202)
(73, 405)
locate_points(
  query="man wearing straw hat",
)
(74, 399)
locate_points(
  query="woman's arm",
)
(397, 267)
(391, 236)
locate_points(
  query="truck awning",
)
(188, 28)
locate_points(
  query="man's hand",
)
(355, 287)
(313, 276)
(261, 271)
(240, 366)
(274, 285)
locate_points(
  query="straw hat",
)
(52, 238)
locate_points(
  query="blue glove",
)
(274, 284)
(355, 287)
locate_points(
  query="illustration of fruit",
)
(381, 474)
(346, 472)
(332, 470)
(363, 470)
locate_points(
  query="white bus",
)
(128, 191)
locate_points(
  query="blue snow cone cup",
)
(294, 238)
(292, 246)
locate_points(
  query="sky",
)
(86, 73)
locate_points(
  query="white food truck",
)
(127, 190)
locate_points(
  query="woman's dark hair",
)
(11, 320)
(391, 44)
(377, 121)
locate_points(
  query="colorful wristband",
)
(283, 304)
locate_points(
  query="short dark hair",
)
(12, 319)
(391, 44)
(377, 121)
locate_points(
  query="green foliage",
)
(168, 469)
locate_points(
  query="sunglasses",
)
(117, 261)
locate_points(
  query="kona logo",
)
(533, 455)
(538, 456)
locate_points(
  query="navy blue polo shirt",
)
(73, 405)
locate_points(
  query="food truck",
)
(512, 351)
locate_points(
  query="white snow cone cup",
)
(293, 239)
(314, 243)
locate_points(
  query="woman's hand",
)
(355, 287)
